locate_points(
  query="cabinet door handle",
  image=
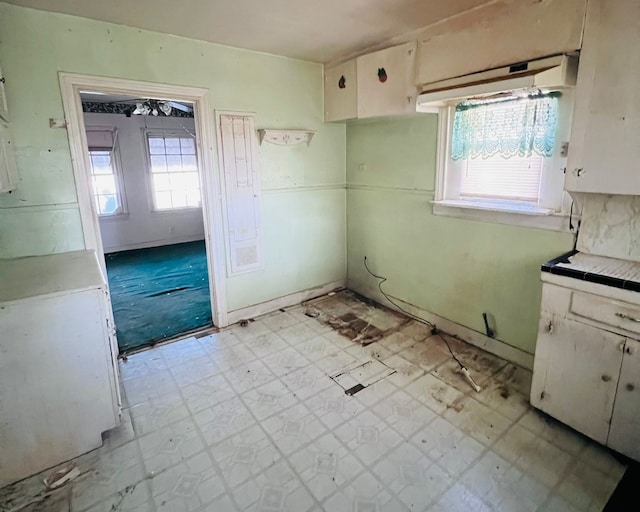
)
(606, 378)
(627, 317)
(630, 387)
(579, 172)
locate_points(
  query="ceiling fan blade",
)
(180, 106)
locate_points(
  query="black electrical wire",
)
(434, 329)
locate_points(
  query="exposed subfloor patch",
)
(256, 418)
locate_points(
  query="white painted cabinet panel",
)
(377, 84)
(604, 153)
(499, 34)
(8, 170)
(625, 423)
(341, 92)
(58, 373)
(386, 82)
(239, 162)
(575, 374)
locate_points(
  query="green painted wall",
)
(304, 201)
(452, 267)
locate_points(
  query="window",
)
(106, 186)
(175, 181)
(504, 154)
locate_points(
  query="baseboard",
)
(282, 302)
(153, 243)
(478, 339)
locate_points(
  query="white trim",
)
(551, 217)
(475, 338)
(292, 299)
(442, 149)
(71, 84)
(553, 222)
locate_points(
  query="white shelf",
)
(285, 137)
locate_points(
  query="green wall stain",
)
(452, 267)
(42, 215)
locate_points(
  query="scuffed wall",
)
(303, 187)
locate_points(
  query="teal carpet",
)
(158, 293)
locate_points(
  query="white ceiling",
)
(316, 30)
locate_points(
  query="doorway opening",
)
(146, 189)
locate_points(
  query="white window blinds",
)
(516, 178)
(237, 139)
(101, 139)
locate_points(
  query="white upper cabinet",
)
(377, 84)
(497, 35)
(4, 113)
(340, 92)
(604, 153)
(386, 82)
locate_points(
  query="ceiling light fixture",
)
(152, 107)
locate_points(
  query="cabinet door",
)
(386, 82)
(625, 423)
(575, 374)
(604, 154)
(340, 92)
(510, 32)
(8, 170)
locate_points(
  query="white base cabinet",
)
(587, 364)
(58, 375)
(625, 423)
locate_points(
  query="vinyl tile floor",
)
(250, 419)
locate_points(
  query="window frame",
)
(164, 133)
(553, 208)
(116, 166)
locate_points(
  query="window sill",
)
(498, 212)
(114, 216)
(174, 211)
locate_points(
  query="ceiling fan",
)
(157, 107)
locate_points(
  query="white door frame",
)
(71, 84)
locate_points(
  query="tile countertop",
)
(596, 269)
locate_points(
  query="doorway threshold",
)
(200, 332)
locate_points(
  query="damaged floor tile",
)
(256, 418)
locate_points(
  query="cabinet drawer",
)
(606, 311)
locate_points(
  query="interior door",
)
(575, 374)
(625, 423)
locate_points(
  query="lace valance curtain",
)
(506, 127)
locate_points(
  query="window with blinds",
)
(516, 178)
(500, 145)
